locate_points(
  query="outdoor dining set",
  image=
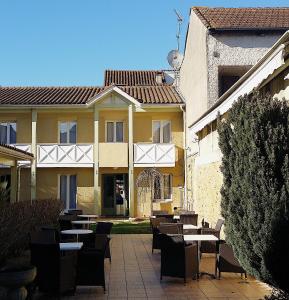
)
(182, 243)
(70, 254)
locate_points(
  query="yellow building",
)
(91, 143)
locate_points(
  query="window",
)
(67, 132)
(161, 131)
(229, 75)
(68, 190)
(163, 192)
(114, 132)
(8, 132)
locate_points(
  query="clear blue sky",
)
(72, 42)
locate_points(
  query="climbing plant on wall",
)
(254, 140)
(149, 182)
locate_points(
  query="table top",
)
(88, 216)
(83, 222)
(190, 226)
(76, 231)
(200, 237)
(70, 246)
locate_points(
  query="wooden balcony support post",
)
(97, 199)
(34, 152)
(130, 162)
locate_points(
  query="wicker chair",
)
(189, 219)
(155, 223)
(42, 237)
(178, 259)
(227, 262)
(105, 228)
(211, 247)
(65, 221)
(75, 212)
(56, 274)
(159, 212)
(90, 267)
(171, 228)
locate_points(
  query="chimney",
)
(159, 77)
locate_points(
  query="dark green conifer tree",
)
(254, 140)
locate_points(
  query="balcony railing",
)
(158, 155)
(61, 155)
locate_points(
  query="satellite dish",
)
(175, 59)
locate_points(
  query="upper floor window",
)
(162, 131)
(67, 132)
(114, 132)
(8, 132)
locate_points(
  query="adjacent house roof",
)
(81, 95)
(15, 153)
(220, 18)
(133, 77)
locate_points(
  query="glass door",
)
(114, 199)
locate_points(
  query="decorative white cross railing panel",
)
(146, 154)
(23, 147)
(64, 155)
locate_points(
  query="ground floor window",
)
(163, 190)
(68, 190)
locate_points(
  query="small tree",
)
(254, 140)
(150, 180)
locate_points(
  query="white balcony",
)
(154, 155)
(62, 155)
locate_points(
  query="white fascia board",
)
(253, 80)
(58, 165)
(101, 95)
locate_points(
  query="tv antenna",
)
(180, 21)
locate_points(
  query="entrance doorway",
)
(115, 195)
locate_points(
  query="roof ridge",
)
(43, 87)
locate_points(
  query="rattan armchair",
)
(227, 262)
(90, 267)
(178, 259)
(189, 219)
(211, 247)
(56, 274)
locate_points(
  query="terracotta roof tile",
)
(16, 149)
(164, 94)
(268, 18)
(131, 78)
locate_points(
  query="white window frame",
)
(67, 132)
(161, 130)
(8, 130)
(67, 189)
(162, 191)
(114, 130)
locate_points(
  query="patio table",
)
(198, 238)
(76, 232)
(190, 226)
(70, 246)
(88, 217)
(83, 222)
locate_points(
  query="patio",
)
(134, 274)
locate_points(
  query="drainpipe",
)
(185, 200)
(18, 180)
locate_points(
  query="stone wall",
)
(207, 185)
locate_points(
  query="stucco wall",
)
(193, 73)
(234, 49)
(23, 120)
